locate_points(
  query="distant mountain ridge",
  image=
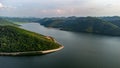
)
(4, 22)
(115, 20)
(83, 24)
(95, 25)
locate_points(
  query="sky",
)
(59, 8)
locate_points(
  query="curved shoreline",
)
(30, 52)
(33, 52)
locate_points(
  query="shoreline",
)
(30, 52)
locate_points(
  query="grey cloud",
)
(41, 8)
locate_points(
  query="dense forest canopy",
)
(14, 39)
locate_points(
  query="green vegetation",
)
(94, 25)
(83, 24)
(4, 22)
(89, 29)
(14, 39)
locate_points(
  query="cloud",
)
(1, 5)
(6, 7)
(40, 8)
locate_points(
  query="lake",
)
(80, 51)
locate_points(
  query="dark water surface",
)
(81, 51)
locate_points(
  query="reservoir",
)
(80, 51)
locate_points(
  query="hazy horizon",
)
(59, 8)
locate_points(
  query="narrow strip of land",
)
(31, 52)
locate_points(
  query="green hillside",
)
(82, 24)
(4, 22)
(14, 39)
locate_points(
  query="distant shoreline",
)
(30, 52)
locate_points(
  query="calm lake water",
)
(81, 51)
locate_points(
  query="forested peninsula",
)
(17, 41)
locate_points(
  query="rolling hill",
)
(4, 22)
(82, 24)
